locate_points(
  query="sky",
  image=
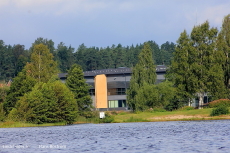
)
(102, 23)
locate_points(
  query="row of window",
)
(114, 91)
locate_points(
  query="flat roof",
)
(121, 70)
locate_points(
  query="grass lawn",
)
(122, 117)
(196, 114)
(12, 124)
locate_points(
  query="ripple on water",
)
(181, 136)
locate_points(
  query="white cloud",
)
(57, 7)
(213, 14)
(3, 3)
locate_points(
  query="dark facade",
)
(117, 82)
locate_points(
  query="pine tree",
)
(144, 73)
(65, 57)
(76, 83)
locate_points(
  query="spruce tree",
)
(20, 85)
(144, 73)
(180, 71)
(76, 83)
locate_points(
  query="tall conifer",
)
(144, 73)
(77, 84)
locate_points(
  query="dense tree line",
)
(14, 58)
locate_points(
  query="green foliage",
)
(158, 110)
(223, 45)
(46, 103)
(12, 60)
(220, 102)
(90, 114)
(20, 85)
(155, 96)
(187, 108)
(144, 74)
(48, 43)
(174, 104)
(67, 108)
(2, 113)
(220, 110)
(3, 93)
(122, 113)
(76, 83)
(196, 67)
(42, 66)
(65, 57)
(108, 118)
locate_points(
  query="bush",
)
(108, 118)
(220, 102)
(159, 110)
(89, 114)
(2, 113)
(220, 110)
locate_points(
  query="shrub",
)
(108, 118)
(220, 102)
(159, 110)
(220, 110)
(89, 114)
(2, 113)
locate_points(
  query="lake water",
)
(177, 136)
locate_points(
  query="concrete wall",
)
(117, 97)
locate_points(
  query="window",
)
(120, 91)
(92, 92)
(116, 91)
(117, 103)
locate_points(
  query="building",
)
(108, 86)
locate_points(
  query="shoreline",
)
(11, 124)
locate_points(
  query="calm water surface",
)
(179, 136)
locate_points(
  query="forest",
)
(14, 57)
